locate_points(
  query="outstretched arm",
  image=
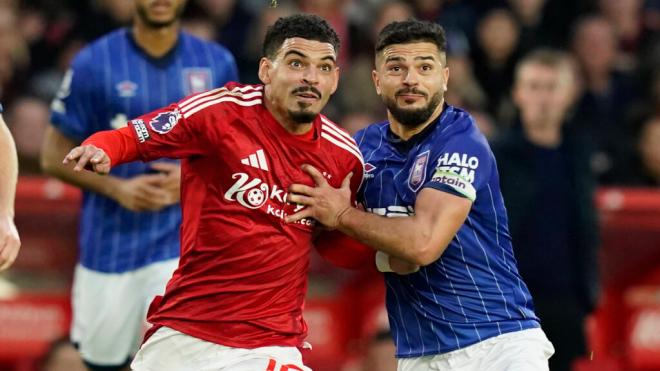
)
(9, 240)
(140, 193)
(420, 238)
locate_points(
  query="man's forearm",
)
(55, 147)
(8, 170)
(400, 237)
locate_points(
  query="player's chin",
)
(161, 21)
(303, 116)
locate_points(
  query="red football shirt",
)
(242, 275)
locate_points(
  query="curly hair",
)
(306, 26)
(409, 31)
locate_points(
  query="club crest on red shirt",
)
(165, 121)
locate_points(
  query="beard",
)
(302, 116)
(143, 13)
(412, 118)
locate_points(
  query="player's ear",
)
(374, 76)
(445, 73)
(265, 67)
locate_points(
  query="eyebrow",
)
(400, 59)
(302, 55)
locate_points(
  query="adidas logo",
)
(257, 159)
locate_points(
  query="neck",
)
(405, 132)
(156, 42)
(282, 116)
(546, 135)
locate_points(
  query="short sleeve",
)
(462, 166)
(71, 109)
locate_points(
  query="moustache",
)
(411, 91)
(305, 89)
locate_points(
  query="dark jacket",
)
(520, 185)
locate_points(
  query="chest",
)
(256, 167)
(393, 177)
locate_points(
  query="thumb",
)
(346, 183)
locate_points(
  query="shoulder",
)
(339, 139)
(458, 128)
(233, 96)
(372, 133)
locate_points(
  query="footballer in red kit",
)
(242, 271)
(235, 302)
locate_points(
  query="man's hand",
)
(9, 242)
(143, 193)
(324, 203)
(89, 157)
(172, 179)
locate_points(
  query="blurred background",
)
(613, 108)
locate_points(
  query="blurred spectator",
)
(334, 12)
(548, 190)
(604, 108)
(356, 88)
(46, 83)
(27, 119)
(495, 56)
(463, 90)
(530, 16)
(62, 356)
(102, 16)
(625, 16)
(232, 20)
(249, 62)
(14, 55)
(647, 170)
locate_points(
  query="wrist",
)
(110, 187)
(343, 216)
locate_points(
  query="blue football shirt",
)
(473, 292)
(111, 81)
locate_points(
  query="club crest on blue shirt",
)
(196, 80)
(126, 89)
(165, 121)
(418, 171)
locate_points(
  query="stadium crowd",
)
(614, 45)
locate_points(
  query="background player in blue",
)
(429, 166)
(129, 233)
(10, 243)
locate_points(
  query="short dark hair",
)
(546, 57)
(306, 26)
(412, 30)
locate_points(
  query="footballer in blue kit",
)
(435, 213)
(129, 231)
